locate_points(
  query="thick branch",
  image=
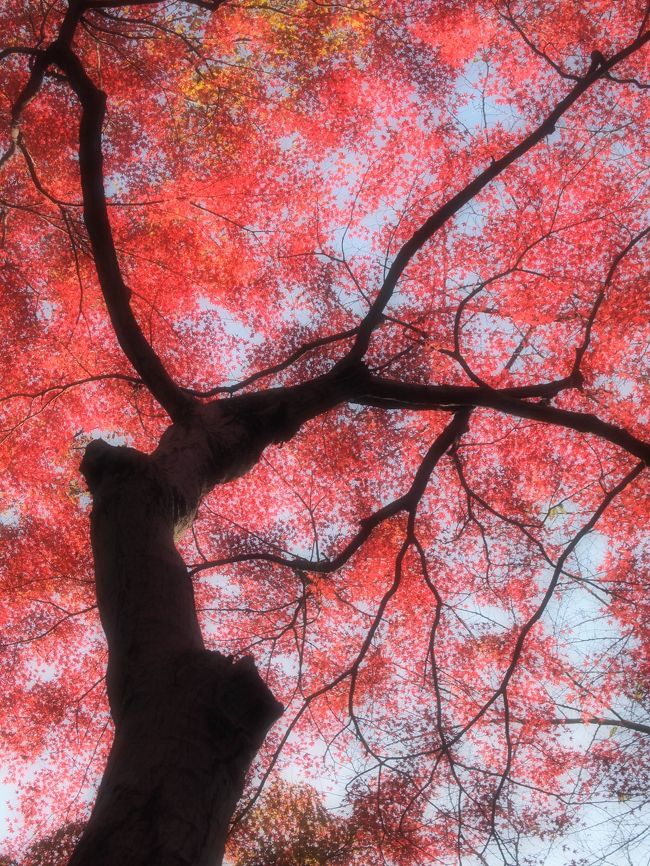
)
(389, 393)
(116, 294)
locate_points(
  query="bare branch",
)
(580, 351)
(116, 293)
(406, 502)
(275, 368)
(598, 720)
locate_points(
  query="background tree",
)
(52, 850)
(348, 303)
(289, 826)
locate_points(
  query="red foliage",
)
(264, 163)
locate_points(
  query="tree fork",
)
(188, 722)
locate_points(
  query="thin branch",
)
(580, 351)
(65, 386)
(598, 720)
(275, 368)
(403, 503)
(597, 70)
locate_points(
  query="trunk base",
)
(178, 764)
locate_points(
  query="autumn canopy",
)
(348, 301)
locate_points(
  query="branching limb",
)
(116, 293)
(393, 394)
(599, 67)
(29, 91)
(404, 503)
(276, 368)
(409, 503)
(66, 386)
(550, 590)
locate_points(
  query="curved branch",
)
(66, 386)
(93, 104)
(29, 91)
(68, 616)
(274, 368)
(580, 351)
(599, 68)
(541, 608)
(388, 393)
(116, 294)
(407, 502)
(31, 168)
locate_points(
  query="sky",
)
(594, 835)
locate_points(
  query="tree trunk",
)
(178, 764)
(188, 721)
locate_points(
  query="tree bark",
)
(188, 722)
(178, 764)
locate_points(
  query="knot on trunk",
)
(239, 706)
(247, 701)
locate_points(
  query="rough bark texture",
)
(188, 721)
(178, 763)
